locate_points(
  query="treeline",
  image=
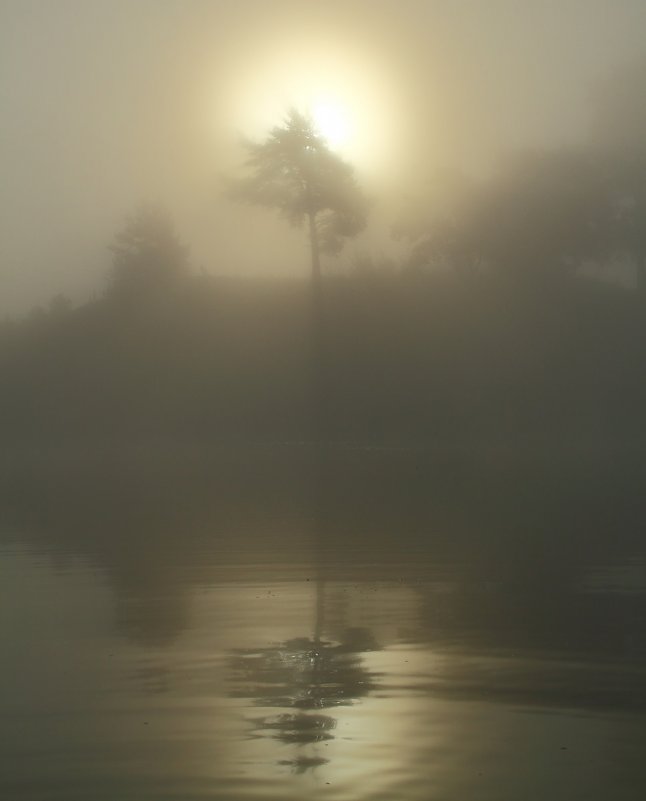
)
(407, 357)
(492, 327)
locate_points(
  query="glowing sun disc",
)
(332, 123)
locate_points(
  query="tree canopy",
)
(539, 218)
(146, 254)
(295, 172)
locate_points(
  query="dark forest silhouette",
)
(416, 357)
(505, 322)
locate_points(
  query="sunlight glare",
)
(349, 99)
(332, 122)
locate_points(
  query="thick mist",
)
(106, 106)
(322, 400)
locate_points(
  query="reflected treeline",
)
(159, 523)
(515, 540)
(305, 678)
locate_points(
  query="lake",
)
(286, 622)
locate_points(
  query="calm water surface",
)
(381, 627)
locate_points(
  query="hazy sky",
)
(107, 104)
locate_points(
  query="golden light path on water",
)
(367, 731)
(236, 704)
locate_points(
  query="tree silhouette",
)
(545, 214)
(146, 254)
(307, 679)
(438, 225)
(537, 220)
(618, 136)
(295, 171)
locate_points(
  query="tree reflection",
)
(305, 678)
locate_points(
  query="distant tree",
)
(618, 124)
(366, 265)
(618, 139)
(631, 221)
(146, 254)
(544, 215)
(294, 171)
(60, 305)
(438, 225)
(538, 219)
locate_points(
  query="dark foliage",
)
(407, 357)
(147, 256)
(296, 173)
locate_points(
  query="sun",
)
(332, 122)
(344, 90)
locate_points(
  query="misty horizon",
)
(323, 400)
(88, 138)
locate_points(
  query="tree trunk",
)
(640, 264)
(319, 382)
(315, 251)
(317, 298)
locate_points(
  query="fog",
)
(109, 105)
(322, 400)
